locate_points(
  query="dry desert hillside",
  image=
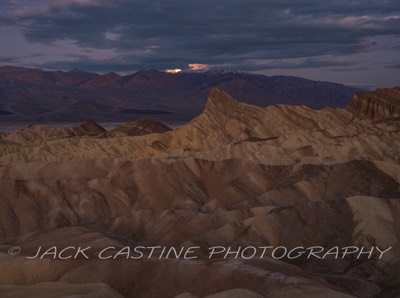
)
(235, 176)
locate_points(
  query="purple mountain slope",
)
(34, 95)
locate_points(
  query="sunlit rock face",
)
(236, 176)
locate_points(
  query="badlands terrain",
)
(235, 176)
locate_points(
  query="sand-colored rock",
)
(235, 176)
(275, 135)
(375, 221)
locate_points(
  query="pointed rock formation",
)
(220, 103)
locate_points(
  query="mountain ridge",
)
(228, 128)
(34, 95)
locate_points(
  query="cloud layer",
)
(249, 35)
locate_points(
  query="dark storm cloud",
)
(93, 66)
(173, 33)
(6, 59)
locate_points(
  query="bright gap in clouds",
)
(176, 70)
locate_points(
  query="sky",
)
(351, 42)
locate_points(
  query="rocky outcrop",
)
(235, 176)
(375, 105)
(228, 129)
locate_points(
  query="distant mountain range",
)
(35, 95)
